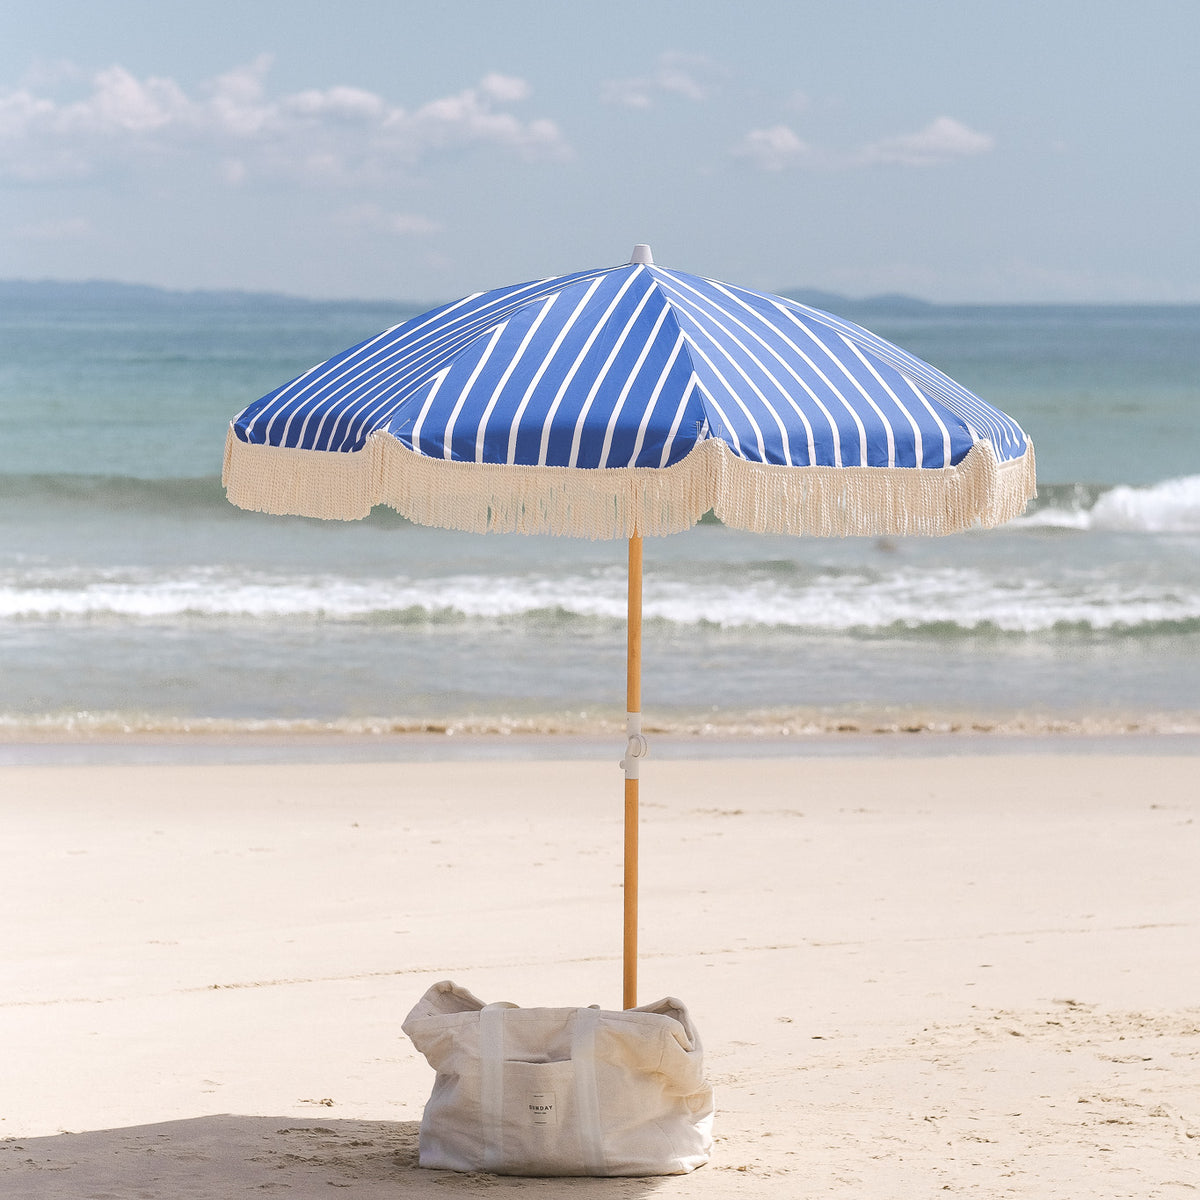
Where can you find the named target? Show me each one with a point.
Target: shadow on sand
(214, 1158)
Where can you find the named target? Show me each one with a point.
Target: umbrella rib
(402, 364)
(862, 430)
(630, 379)
(834, 431)
(514, 359)
(308, 416)
(438, 380)
(888, 432)
(407, 364)
(964, 404)
(544, 444)
(465, 390)
(727, 426)
(693, 383)
(783, 391)
(602, 374)
(356, 364)
(361, 361)
(936, 417)
(753, 422)
(811, 363)
(287, 411)
(652, 399)
(919, 445)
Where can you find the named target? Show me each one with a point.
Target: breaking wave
(1171, 506)
(906, 600)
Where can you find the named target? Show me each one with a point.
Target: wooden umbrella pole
(635, 750)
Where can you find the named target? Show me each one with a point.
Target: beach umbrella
(627, 402)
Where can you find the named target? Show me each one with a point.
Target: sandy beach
(974, 974)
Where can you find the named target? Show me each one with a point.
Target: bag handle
(491, 1082)
(587, 1095)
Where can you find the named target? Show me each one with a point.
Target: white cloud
(778, 147)
(940, 141)
(408, 224)
(20, 110)
(772, 149)
(237, 103)
(120, 103)
(340, 134)
(691, 76)
(470, 117)
(505, 88)
(64, 229)
(339, 104)
(374, 218)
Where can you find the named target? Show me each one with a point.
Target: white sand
(913, 976)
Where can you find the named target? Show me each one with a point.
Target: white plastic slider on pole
(636, 748)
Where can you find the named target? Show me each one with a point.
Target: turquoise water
(133, 595)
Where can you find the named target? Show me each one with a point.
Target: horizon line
(817, 296)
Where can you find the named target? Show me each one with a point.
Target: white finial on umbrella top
(641, 254)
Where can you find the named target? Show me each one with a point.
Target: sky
(1041, 151)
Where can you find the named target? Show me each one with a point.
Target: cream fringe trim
(616, 503)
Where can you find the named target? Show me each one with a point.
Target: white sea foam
(340, 736)
(905, 597)
(1171, 506)
(155, 594)
(964, 599)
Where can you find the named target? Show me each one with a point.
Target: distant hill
(102, 290)
(890, 302)
(109, 293)
(106, 291)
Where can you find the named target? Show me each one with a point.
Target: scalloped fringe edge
(619, 502)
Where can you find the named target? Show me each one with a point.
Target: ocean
(135, 599)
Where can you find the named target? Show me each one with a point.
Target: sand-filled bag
(561, 1091)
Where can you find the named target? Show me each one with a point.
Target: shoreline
(198, 748)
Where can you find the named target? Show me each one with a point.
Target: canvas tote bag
(561, 1091)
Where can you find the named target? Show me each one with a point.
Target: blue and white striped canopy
(631, 399)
